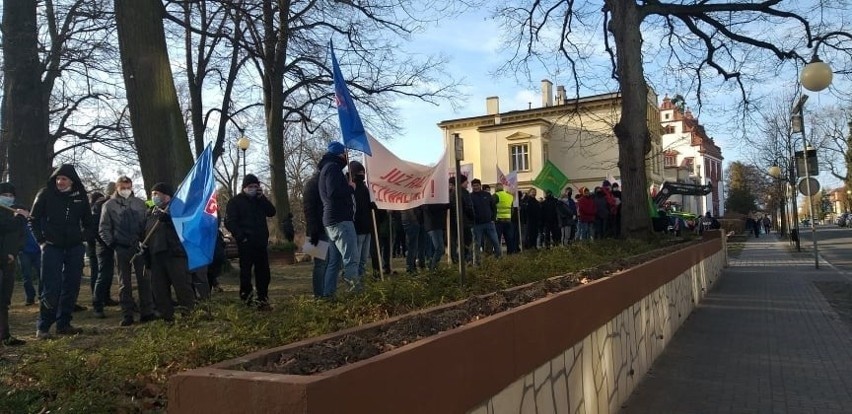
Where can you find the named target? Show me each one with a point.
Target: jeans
(318, 272)
(425, 251)
(61, 273)
(567, 233)
(584, 229)
(343, 236)
(333, 263)
(437, 240)
(506, 231)
(30, 270)
(106, 258)
(485, 230)
(94, 264)
(363, 253)
(412, 244)
(601, 228)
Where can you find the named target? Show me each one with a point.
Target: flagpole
(375, 226)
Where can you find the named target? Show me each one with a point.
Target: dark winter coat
(467, 209)
(97, 209)
(363, 208)
(336, 193)
(602, 206)
(245, 218)
(312, 207)
(531, 211)
(484, 207)
(163, 238)
(549, 212)
(62, 219)
(567, 211)
(12, 234)
(435, 216)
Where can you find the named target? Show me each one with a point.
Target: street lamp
(243, 144)
(817, 75)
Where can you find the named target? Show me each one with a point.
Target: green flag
(652, 207)
(550, 178)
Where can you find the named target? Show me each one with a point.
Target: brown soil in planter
(333, 353)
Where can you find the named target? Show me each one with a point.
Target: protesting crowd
(139, 241)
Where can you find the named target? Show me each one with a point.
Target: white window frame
(515, 160)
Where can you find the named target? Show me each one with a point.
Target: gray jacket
(122, 221)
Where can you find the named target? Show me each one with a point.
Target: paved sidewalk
(763, 341)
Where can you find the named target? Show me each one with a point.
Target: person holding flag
(165, 256)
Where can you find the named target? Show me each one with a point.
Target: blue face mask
(6, 201)
(157, 200)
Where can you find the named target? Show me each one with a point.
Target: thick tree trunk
(276, 49)
(158, 129)
(25, 117)
(632, 129)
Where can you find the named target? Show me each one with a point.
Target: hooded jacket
(245, 218)
(550, 212)
(363, 207)
(13, 233)
(338, 204)
(62, 219)
(122, 221)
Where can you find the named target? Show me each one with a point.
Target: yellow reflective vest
(504, 205)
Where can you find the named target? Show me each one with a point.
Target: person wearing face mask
(12, 221)
(245, 218)
(122, 221)
(165, 257)
(61, 219)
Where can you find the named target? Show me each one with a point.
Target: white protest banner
(396, 184)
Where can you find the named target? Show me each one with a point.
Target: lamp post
(848, 201)
(243, 144)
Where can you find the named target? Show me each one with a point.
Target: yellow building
(575, 135)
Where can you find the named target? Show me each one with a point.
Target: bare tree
(158, 128)
(701, 36)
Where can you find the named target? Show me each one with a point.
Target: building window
(519, 157)
(670, 161)
(668, 116)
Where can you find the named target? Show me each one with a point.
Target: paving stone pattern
(598, 374)
(764, 340)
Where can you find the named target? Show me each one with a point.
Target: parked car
(842, 220)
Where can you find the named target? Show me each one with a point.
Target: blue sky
(472, 42)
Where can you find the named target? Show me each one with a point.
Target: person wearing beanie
(363, 214)
(120, 226)
(165, 257)
(338, 216)
(245, 218)
(12, 222)
(61, 220)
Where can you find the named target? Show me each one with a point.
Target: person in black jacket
(165, 257)
(363, 214)
(467, 215)
(61, 219)
(325, 272)
(435, 224)
(531, 215)
(245, 218)
(338, 214)
(12, 238)
(484, 215)
(550, 220)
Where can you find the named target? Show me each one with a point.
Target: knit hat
(606, 183)
(7, 188)
(250, 179)
(163, 188)
(336, 148)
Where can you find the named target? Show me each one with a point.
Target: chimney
(560, 95)
(546, 93)
(492, 105)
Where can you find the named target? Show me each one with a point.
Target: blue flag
(351, 127)
(195, 213)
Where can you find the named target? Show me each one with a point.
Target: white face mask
(125, 193)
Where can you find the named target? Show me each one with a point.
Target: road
(835, 245)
